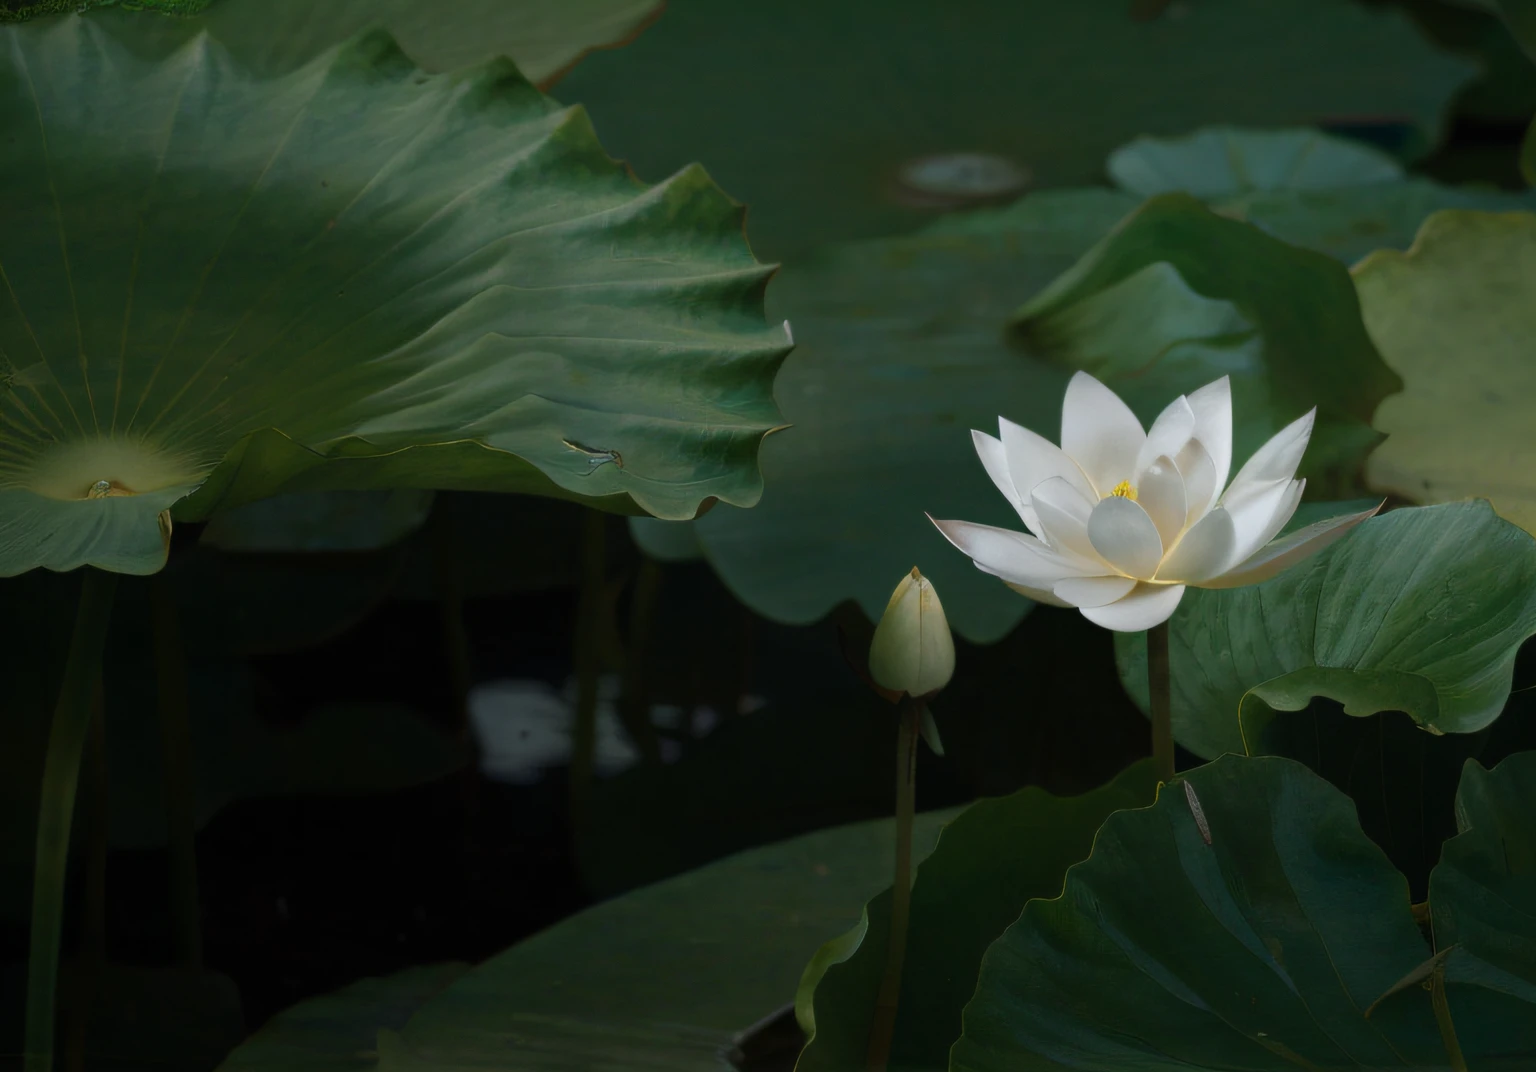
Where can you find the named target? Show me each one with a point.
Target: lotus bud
(912, 651)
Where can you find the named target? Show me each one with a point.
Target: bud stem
(883, 1025)
(1160, 686)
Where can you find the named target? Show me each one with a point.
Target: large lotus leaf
(840, 99)
(1223, 162)
(995, 856)
(901, 353)
(664, 977)
(21, 10)
(1483, 901)
(1241, 922)
(1305, 187)
(1456, 317)
(1177, 295)
(543, 37)
(353, 276)
(1419, 610)
(1351, 222)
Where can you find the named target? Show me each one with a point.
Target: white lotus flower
(1122, 520)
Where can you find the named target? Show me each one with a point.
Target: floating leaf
(1177, 295)
(354, 276)
(1352, 222)
(995, 856)
(1456, 317)
(1419, 610)
(1331, 194)
(1224, 162)
(841, 100)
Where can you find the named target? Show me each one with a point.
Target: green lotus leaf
(1419, 610)
(995, 856)
(1177, 295)
(1243, 921)
(1304, 187)
(22, 10)
(1223, 162)
(1483, 903)
(543, 37)
(848, 107)
(355, 276)
(1456, 317)
(1352, 222)
(587, 992)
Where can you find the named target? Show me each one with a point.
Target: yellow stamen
(1123, 490)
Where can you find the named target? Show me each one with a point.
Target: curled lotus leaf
(355, 275)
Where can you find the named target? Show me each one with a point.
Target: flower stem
(180, 779)
(1160, 686)
(883, 1025)
(61, 776)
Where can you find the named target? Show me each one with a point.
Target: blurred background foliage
(425, 725)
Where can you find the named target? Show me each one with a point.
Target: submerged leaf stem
(61, 777)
